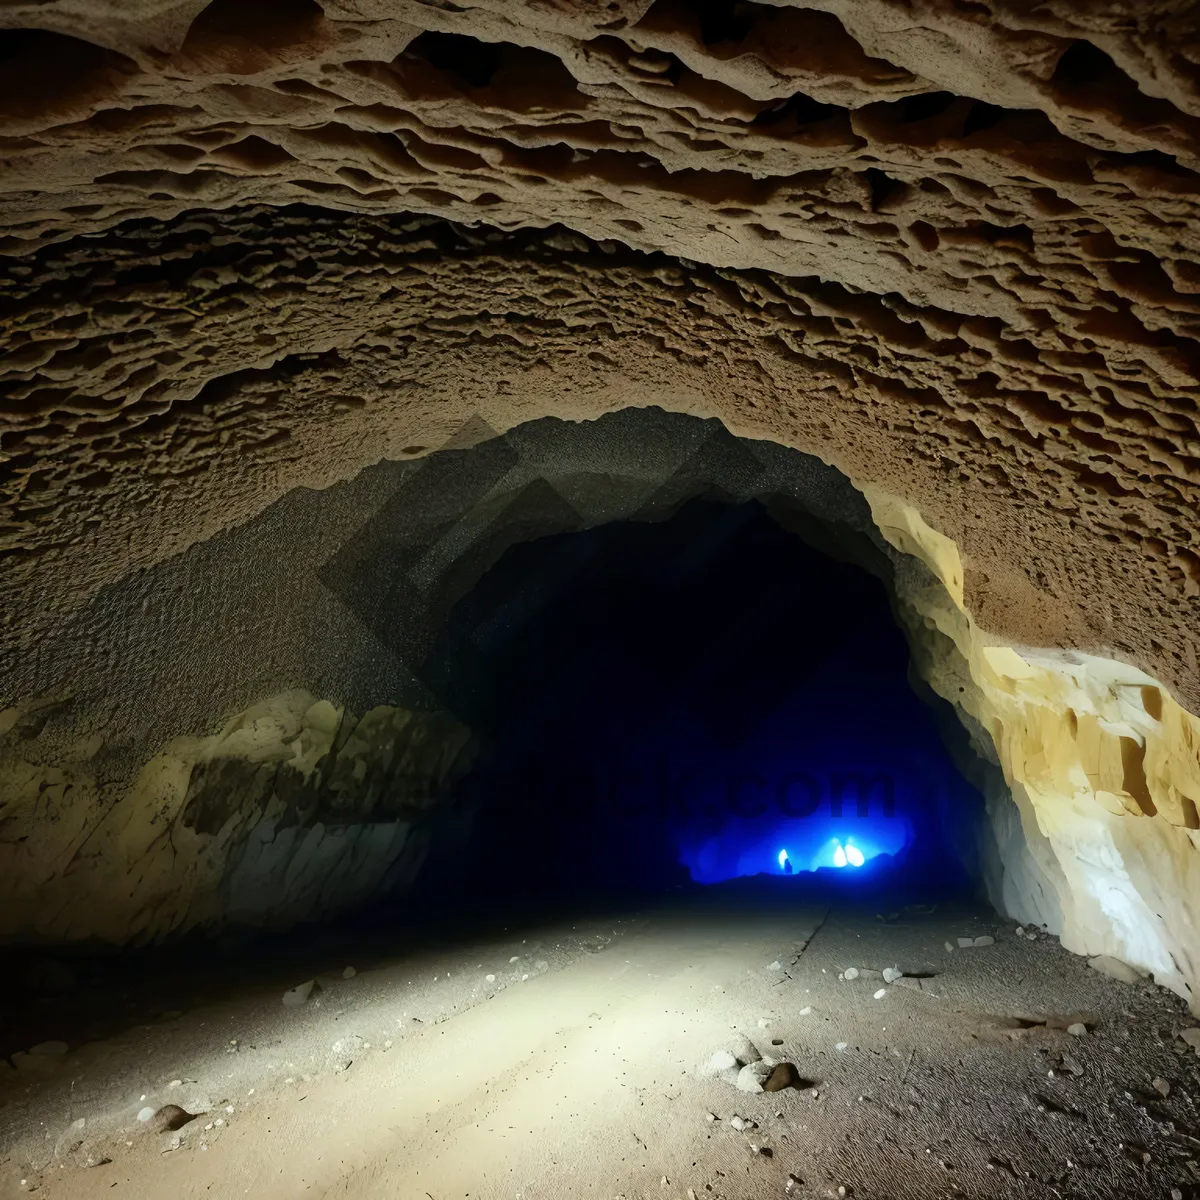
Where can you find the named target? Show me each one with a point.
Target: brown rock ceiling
(950, 247)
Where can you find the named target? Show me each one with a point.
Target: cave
(600, 600)
(658, 709)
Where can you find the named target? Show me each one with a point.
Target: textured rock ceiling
(950, 247)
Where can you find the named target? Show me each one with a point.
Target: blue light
(783, 857)
(839, 855)
(854, 856)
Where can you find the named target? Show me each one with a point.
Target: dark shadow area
(688, 702)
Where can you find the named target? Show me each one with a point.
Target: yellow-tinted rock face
(295, 809)
(1103, 765)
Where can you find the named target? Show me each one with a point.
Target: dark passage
(691, 701)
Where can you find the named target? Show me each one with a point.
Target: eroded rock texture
(964, 239)
(947, 246)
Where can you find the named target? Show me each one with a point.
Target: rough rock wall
(161, 383)
(979, 220)
(1095, 832)
(294, 810)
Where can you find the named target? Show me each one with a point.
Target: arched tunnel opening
(691, 701)
(629, 748)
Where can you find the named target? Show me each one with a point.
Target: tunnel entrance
(686, 702)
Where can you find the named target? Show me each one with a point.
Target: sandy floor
(582, 1069)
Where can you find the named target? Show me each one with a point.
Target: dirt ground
(577, 1060)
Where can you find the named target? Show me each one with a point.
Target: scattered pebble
(1161, 1086)
(891, 974)
(1192, 1037)
(294, 997)
(879, 995)
(145, 1114)
(851, 973)
(741, 1123)
(752, 1077)
(745, 1051)
(784, 1075)
(349, 973)
(949, 947)
(1114, 968)
(965, 943)
(841, 1045)
(1078, 1029)
(490, 978)
(986, 940)
(775, 966)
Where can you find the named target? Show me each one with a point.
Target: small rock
(169, 1118)
(891, 974)
(784, 1075)
(949, 947)
(740, 1123)
(841, 1045)
(1114, 968)
(752, 1077)
(49, 1049)
(1020, 931)
(515, 958)
(879, 995)
(345, 1050)
(1071, 1064)
(71, 1138)
(793, 1182)
(1192, 1037)
(806, 1011)
(745, 1051)
(1161, 1086)
(965, 943)
(721, 1060)
(851, 973)
(986, 940)
(295, 997)
(775, 966)
(145, 1115)
(349, 973)
(1078, 1029)
(710, 1116)
(490, 978)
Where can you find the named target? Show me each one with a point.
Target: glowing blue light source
(848, 855)
(783, 857)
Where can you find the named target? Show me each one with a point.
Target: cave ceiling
(950, 248)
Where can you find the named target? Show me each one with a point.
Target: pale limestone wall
(1097, 835)
(292, 810)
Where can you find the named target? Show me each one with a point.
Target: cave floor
(583, 1069)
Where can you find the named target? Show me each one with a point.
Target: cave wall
(947, 248)
(294, 810)
(1094, 832)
